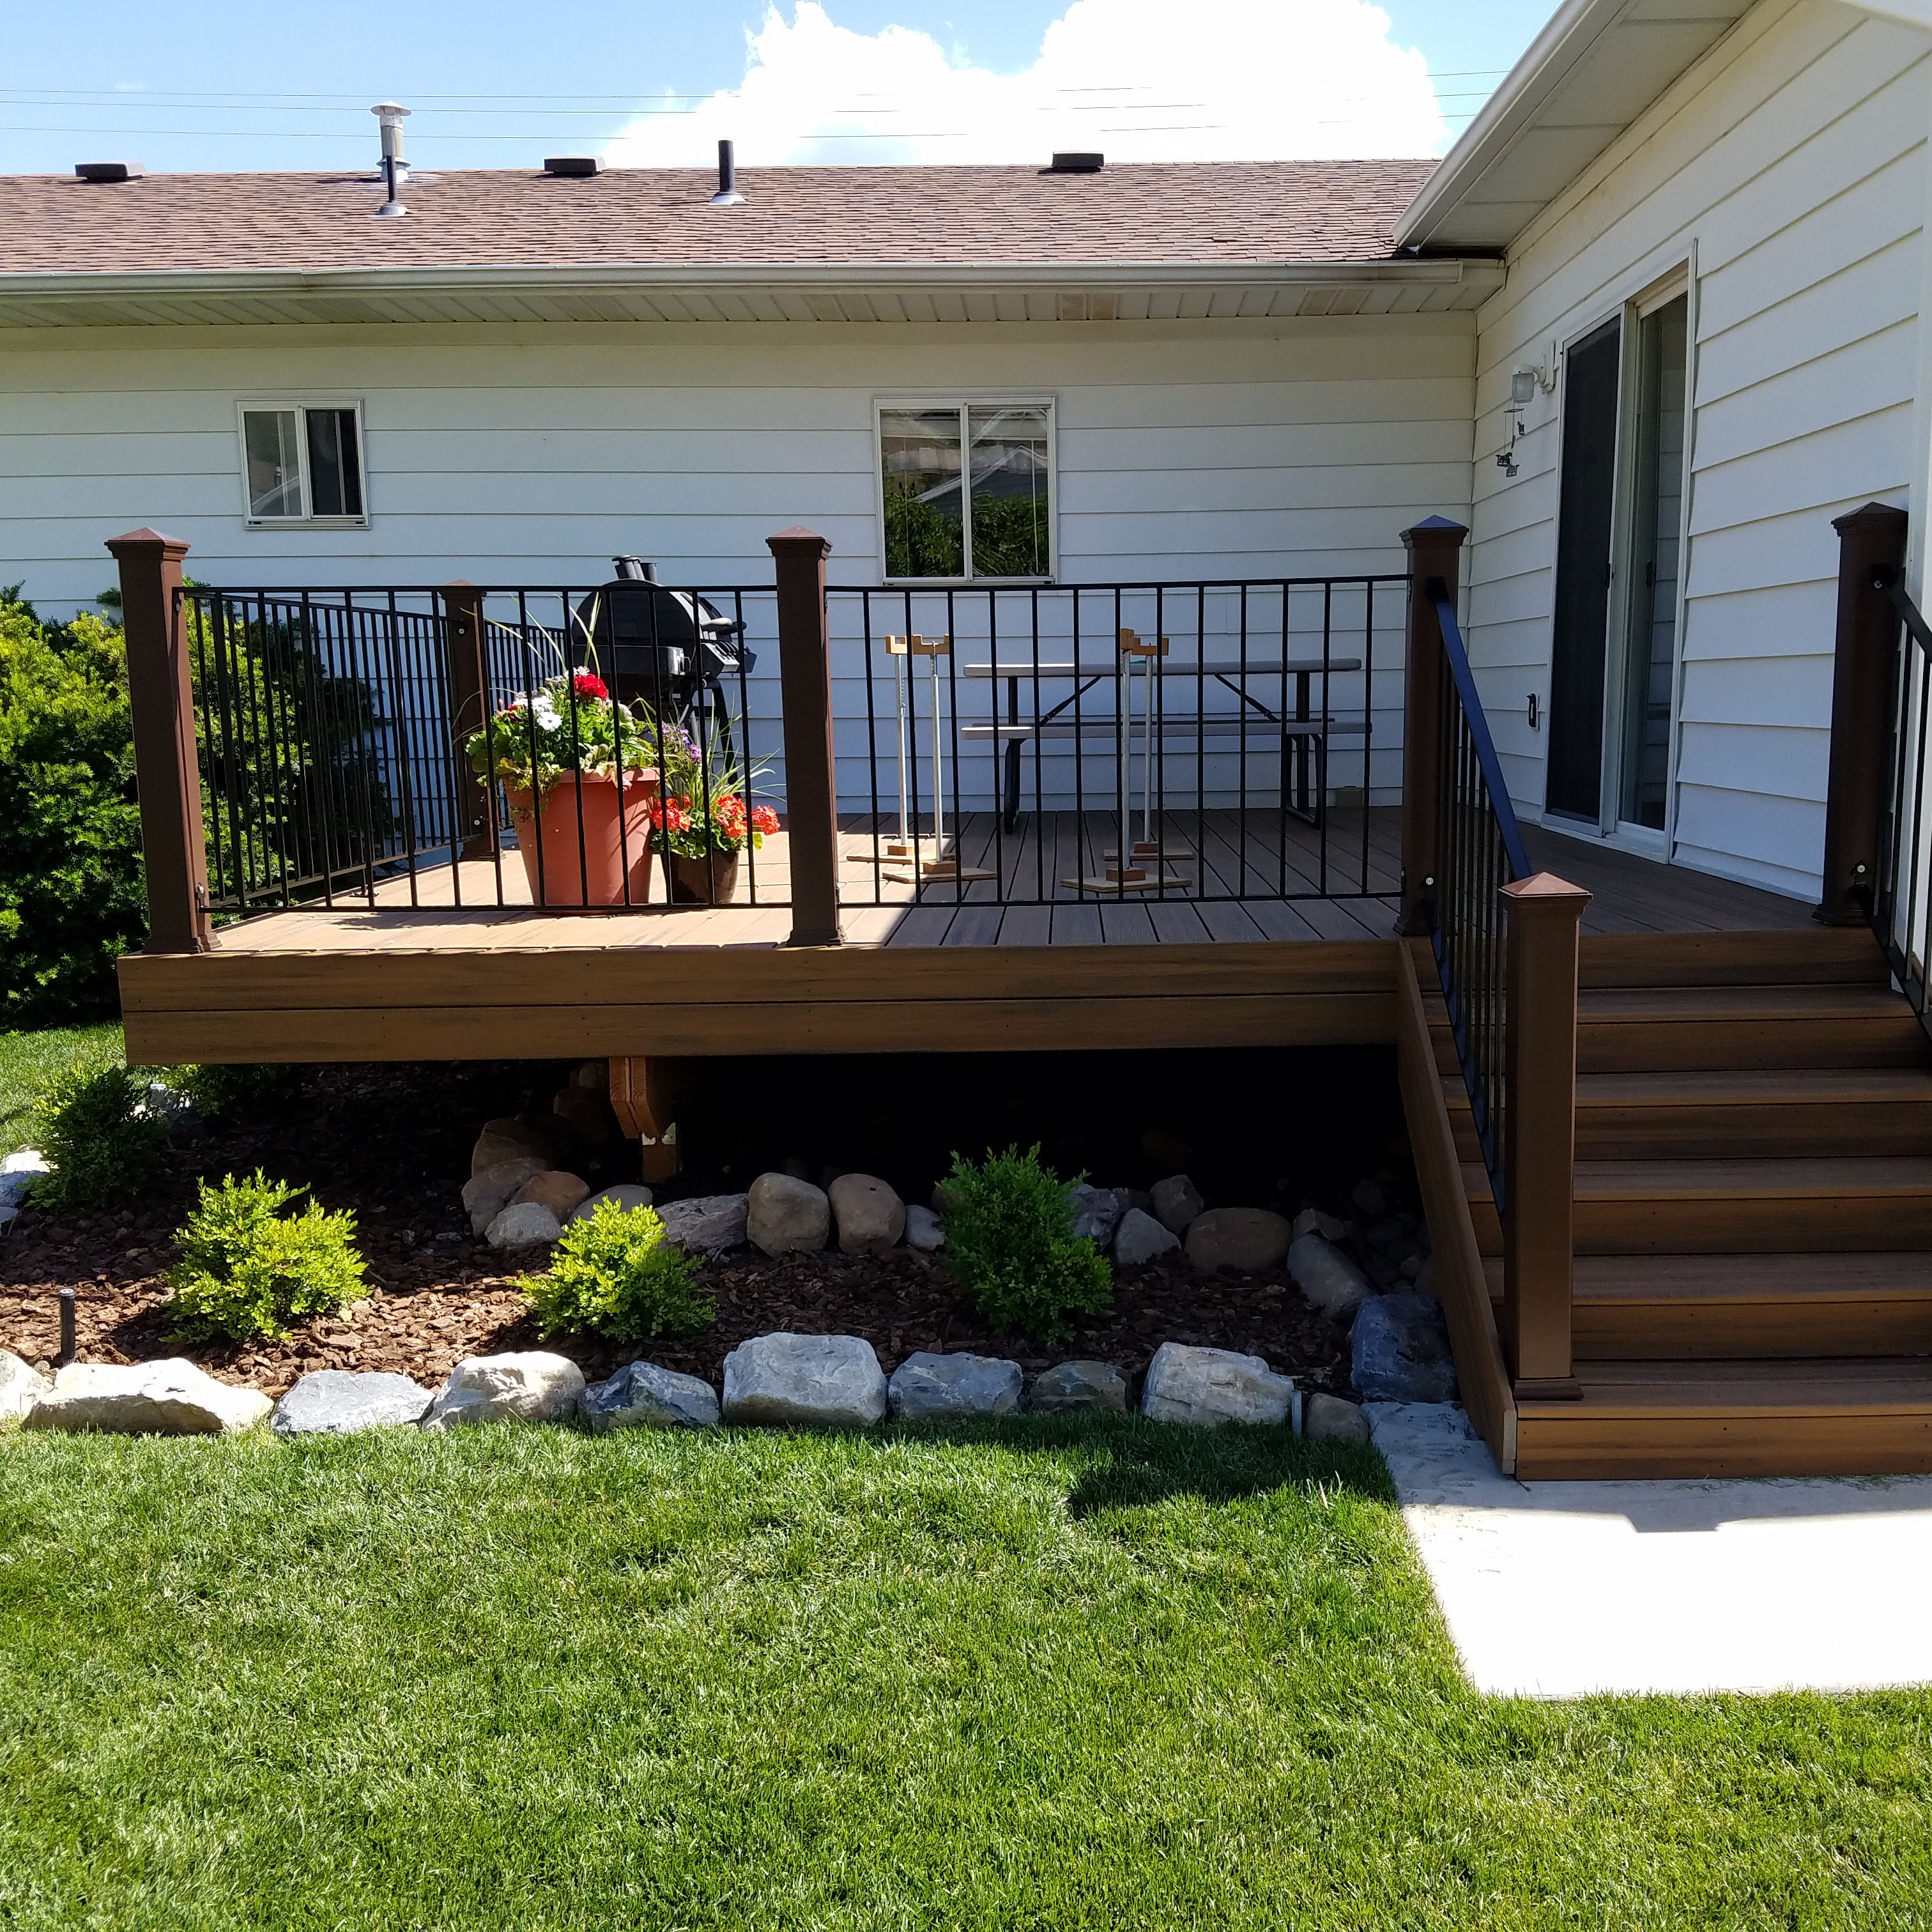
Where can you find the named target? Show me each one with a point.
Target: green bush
(101, 1148)
(614, 1274)
(219, 1092)
(247, 1269)
(1010, 1245)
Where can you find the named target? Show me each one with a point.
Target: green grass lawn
(26, 1059)
(1049, 1672)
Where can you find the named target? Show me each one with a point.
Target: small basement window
(966, 490)
(302, 462)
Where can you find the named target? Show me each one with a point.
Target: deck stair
(1753, 1212)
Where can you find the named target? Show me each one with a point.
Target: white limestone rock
(1140, 1239)
(1312, 1221)
(922, 1231)
(1072, 1385)
(166, 1398)
(1177, 1202)
(869, 1214)
(337, 1401)
(707, 1224)
(1331, 1283)
(523, 1224)
(21, 1386)
(641, 1395)
(925, 1385)
(786, 1216)
(1209, 1387)
(18, 1173)
(530, 1387)
(834, 1380)
(627, 1194)
(1327, 1418)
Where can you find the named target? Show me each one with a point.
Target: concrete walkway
(1562, 1589)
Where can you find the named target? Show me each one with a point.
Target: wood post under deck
(468, 711)
(1434, 547)
(161, 699)
(1871, 550)
(1543, 914)
(811, 785)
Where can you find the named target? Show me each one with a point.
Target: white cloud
(1141, 80)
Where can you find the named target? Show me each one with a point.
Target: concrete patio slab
(1567, 1589)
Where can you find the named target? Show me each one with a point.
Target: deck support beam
(1871, 552)
(1543, 914)
(1434, 546)
(645, 1093)
(811, 780)
(161, 699)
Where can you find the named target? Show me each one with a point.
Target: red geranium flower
(671, 815)
(764, 819)
(585, 685)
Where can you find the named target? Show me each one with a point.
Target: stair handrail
(1901, 894)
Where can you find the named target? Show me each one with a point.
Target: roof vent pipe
(390, 117)
(727, 195)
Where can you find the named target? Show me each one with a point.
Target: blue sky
(213, 84)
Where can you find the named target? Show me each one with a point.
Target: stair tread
(1637, 1279)
(1823, 1177)
(1804, 1386)
(1647, 1004)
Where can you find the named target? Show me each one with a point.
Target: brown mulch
(392, 1143)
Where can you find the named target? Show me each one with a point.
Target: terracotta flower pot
(710, 879)
(614, 851)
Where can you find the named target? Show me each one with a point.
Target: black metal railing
(1902, 901)
(1480, 850)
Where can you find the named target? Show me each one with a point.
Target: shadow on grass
(1131, 1463)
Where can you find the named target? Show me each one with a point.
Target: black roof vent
(573, 166)
(1077, 164)
(109, 171)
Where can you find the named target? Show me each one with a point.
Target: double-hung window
(301, 463)
(966, 490)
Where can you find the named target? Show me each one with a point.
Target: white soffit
(1591, 72)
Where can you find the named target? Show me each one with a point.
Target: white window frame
(962, 400)
(246, 406)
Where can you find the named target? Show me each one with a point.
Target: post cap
(1880, 513)
(1435, 530)
(147, 539)
(1544, 888)
(798, 538)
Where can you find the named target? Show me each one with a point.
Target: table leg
(1010, 813)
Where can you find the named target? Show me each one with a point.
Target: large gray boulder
(532, 1386)
(869, 1215)
(924, 1385)
(1327, 1418)
(628, 1195)
(1399, 1350)
(485, 1195)
(641, 1395)
(1330, 1281)
(1209, 1387)
(1140, 1238)
(786, 1216)
(1097, 1212)
(335, 1402)
(166, 1398)
(832, 1380)
(1248, 1239)
(523, 1224)
(18, 1172)
(707, 1224)
(21, 1386)
(1177, 1201)
(1071, 1385)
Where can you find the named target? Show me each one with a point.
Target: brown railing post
(1542, 913)
(167, 770)
(812, 786)
(469, 707)
(1871, 544)
(1434, 546)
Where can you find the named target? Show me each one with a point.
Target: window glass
(274, 468)
(334, 475)
(918, 456)
(1007, 473)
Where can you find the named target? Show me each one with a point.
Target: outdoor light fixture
(1524, 384)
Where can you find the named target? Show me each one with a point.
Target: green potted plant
(704, 823)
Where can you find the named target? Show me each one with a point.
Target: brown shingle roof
(1226, 214)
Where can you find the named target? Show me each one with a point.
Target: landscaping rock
(485, 1195)
(1177, 1202)
(922, 1230)
(523, 1224)
(1081, 1385)
(21, 1386)
(707, 1224)
(334, 1402)
(1312, 1221)
(834, 1380)
(586, 1112)
(1140, 1238)
(924, 1385)
(167, 1398)
(1326, 1277)
(786, 1216)
(641, 1395)
(532, 1386)
(18, 1173)
(869, 1215)
(507, 1140)
(561, 1193)
(1209, 1387)
(1327, 1418)
(175, 1112)
(1398, 1350)
(627, 1194)
(1371, 1197)
(1097, 1212)
(1247, 1239)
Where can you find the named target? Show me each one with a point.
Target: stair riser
(1815, 1225)
(1734, 1133)
(1585, 1446)
(1730, 1045)
(1706, 1331)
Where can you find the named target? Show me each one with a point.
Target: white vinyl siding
(1789, 168)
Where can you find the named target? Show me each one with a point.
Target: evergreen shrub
(614, 1274)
